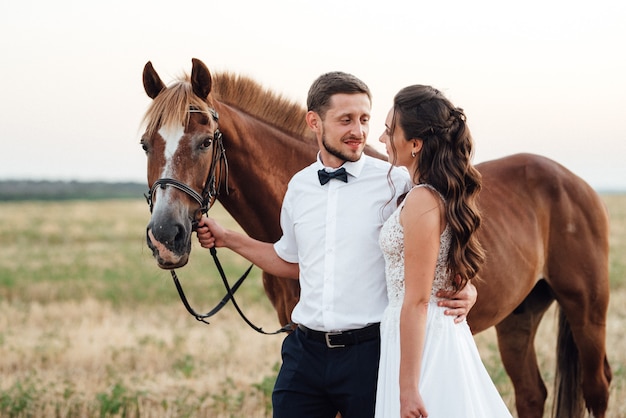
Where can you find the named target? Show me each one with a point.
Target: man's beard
(338, 153)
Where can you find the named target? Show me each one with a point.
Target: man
(331, 218)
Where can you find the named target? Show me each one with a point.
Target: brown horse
(545, 230)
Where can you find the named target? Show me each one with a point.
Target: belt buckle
(329, 344)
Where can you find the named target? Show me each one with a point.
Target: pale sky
(540, 76)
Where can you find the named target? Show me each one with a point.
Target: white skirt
(453, 382)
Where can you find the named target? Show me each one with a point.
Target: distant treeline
(12, 190)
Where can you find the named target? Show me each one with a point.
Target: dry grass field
(89, 326)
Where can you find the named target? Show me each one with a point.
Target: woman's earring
(413, 154)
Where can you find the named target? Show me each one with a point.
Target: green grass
(617, 261)
(69, 251)
(76, 251)
(73, 251)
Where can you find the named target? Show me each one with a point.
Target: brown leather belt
(342, 338)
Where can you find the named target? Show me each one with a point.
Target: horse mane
(247, 95)
(171, 106)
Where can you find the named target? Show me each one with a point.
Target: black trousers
(317, 382)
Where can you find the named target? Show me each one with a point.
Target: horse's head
(185, 160)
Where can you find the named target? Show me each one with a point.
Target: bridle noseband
(205, 199)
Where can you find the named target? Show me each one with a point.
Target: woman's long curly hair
(445, 163)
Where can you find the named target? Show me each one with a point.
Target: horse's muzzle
(169, 254)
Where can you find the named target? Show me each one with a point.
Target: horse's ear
(200, 79)
(152, 83)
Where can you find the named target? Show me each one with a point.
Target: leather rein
(205, 200)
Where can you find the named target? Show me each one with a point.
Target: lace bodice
(392, 244)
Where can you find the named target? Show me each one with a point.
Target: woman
(429, 365)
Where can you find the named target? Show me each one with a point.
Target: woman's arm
(421, 219)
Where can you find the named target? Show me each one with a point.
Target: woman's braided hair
(445, 163)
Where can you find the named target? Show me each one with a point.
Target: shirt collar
(353, 168)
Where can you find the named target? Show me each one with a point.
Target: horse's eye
(207, 142)
(144, 146)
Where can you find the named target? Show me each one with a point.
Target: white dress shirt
(332, 232)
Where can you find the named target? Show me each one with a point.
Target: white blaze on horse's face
(171, 137)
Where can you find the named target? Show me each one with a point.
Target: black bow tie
(339, 174)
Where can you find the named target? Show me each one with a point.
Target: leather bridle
(205, 199)
(213, 182)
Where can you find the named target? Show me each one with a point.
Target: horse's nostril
(180, 234)
(169, 235)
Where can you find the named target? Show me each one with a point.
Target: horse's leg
(578, 272)
(582, 345)
(516, 335)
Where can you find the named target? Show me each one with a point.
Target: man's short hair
(329, 84)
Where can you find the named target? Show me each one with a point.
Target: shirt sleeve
(286, 247)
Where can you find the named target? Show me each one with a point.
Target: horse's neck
(261, 160)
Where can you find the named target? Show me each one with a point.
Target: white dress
(453, 381)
